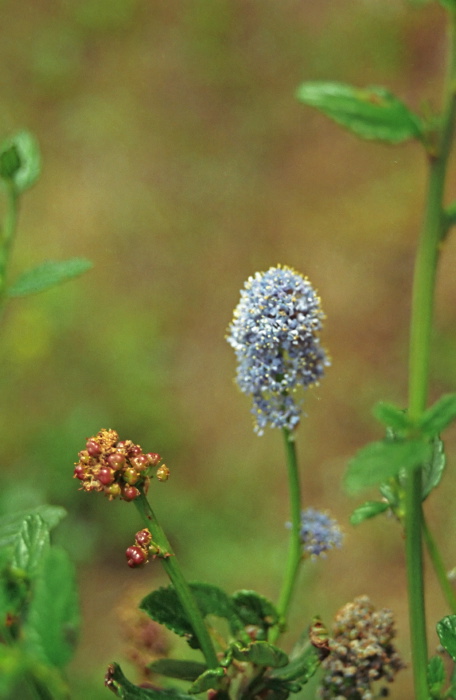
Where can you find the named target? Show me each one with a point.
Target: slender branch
(420, 342)
(178, 580)
(439, 567)
(295, 550)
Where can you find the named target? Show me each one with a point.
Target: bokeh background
(176, 157)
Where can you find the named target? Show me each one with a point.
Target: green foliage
(446, 629)
(47, 275)
(178, 668)
(255, 609)
(372, 112)
(53, 615)
(164, 606)
(382, 460)
(38, 602)
(260, 654)
(435, 676)
(439, 416)
(368, 510)
(392, 417)
(433, 468)
(121, 686)
(20, 160)
(301, 666)
(210, 679)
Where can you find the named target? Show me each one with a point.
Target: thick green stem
(178, 580)
(420, 342)
(439, 568)
(295, 550)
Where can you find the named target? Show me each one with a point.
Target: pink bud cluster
(143, 548)
(118, 468)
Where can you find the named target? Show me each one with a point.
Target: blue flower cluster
(319, 533)
(275, 335)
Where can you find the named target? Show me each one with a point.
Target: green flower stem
(439, 568)
(8, 233)
(432, 232)
(295, 550)
(176, 577)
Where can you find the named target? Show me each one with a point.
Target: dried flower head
(275, 335)
(319, 533)
(361, 652)
(118, 468)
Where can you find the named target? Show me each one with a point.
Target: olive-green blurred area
(176, 157)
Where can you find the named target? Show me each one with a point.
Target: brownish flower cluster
(361, 652)
(118, 468)
(143, 549)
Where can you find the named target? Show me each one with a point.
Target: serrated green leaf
(164, 606)
(26, 147)
(53, 618)
(435, 675)
(301, 667)
(439, 416)
(177, 668)
(372, 112)
(121, 686)
(212, 679)
(255, 609)
(433, 469)
(391, 416)
(368, 510)
(382, 460)
(446, 629)
(10, 525)
(261, 654)
(47, 275)
(31, 544)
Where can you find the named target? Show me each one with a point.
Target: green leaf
(448, 4)
(11, 525)
(121, 686)
(433, 469)
(368, 510)
(261, 654)
(22, 149)
(255, 609)
(31, 543)
(53, 617)
(381, 460)
(210, 679)
(177, 668)
(446, 629)
(435, 675)
(12, 666)
(391, 416)
(301, 667)
(48, 275)
(372, 112)
(438, 416)
(164, 606)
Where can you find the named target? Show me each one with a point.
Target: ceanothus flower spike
(275, 335)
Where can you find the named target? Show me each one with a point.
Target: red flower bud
(140, 462)
(153, 458)
(93, 448)
(79, 472)
(143, 537)
(105, 476)
(135, 556)
(129, 493)
(116, 460)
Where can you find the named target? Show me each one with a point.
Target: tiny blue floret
(319, 533)
(275, 335)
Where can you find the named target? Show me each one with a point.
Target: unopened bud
(163, 473)
(135, 556)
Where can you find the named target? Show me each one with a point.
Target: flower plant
(276, 336)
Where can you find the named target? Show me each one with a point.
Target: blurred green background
(176, 157)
